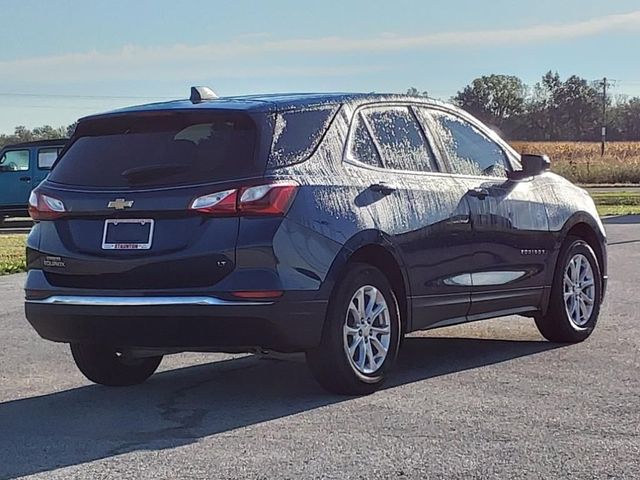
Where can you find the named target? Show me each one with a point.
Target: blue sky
(63, 59)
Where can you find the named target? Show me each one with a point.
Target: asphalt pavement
(484, 400)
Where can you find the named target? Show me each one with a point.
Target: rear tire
(105, 365)
(576, 293)
(361, 334)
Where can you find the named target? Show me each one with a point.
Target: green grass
(607, 210)
(12, 250)
(616, 198)
(617, 203)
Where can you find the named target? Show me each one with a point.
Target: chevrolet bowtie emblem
(120, 204)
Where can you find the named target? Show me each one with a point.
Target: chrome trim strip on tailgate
(139, 301)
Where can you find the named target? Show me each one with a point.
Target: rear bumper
(185, 322)
(284, 326)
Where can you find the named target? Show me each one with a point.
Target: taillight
(271, 199)
(45, 207)
(219, 203)
(268, 199)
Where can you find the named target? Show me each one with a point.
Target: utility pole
(604, 115)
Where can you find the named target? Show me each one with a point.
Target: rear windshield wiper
(152, 172)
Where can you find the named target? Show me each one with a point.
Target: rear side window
(362, 148)
(46, 157)
(159, 150)
(297, 133)
(401, 141)
(469, 150)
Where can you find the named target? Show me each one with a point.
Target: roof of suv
(39, 143)
(264, 102)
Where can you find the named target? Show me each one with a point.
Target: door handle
(383, 187)
(25, 179)
(479, 192)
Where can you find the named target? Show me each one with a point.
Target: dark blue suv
(331, 224)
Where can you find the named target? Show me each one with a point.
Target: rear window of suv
(159, 149)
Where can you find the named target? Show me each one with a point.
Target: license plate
(127, 234)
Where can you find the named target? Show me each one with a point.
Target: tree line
(551, 109)
(573, 109)
(46, 132)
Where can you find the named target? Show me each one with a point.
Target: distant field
(581, 162)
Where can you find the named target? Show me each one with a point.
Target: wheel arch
(374, 248)
(584, 226)
(587, 233)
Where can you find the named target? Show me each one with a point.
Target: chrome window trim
(346, 151)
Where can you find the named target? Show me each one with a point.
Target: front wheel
(576, 294)
(361, 335)
(108, 366)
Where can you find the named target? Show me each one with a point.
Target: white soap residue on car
(279, 127)
(347, 205)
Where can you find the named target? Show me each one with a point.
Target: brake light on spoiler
(268, 199)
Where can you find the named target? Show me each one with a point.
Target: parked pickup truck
(22, 167)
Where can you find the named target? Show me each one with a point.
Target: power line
(54, 107)
(85, 97)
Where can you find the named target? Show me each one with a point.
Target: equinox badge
(120, 204)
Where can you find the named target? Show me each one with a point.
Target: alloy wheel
(367, 330)
(579, 290)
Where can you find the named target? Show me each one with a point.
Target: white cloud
(245, 56)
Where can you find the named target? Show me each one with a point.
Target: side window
(297, 134)
(401, 141)
(46, 157)
(362, 147)
(15, 161)
(470, 151)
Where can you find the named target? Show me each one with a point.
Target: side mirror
(531, 165)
